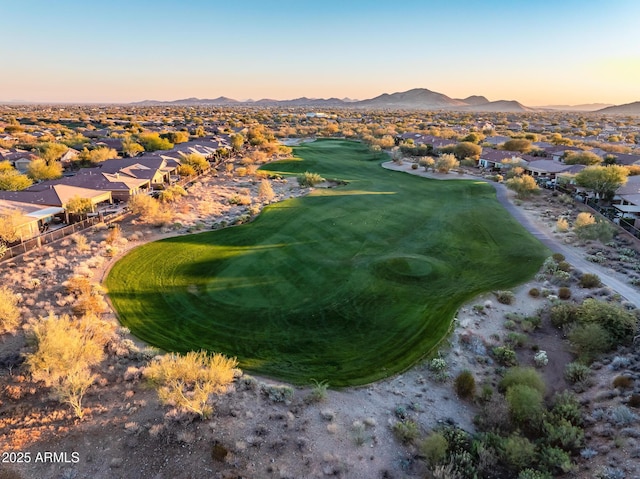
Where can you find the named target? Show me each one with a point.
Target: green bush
(521, 376)
(465, 384)
(566, 406)
(533, 474)
(555, 460)
(434, 449)
(620, 323)
(505, 297)
(558, 257)
(505, 356)
(589, 280)
(600, 230)
(518, 452)
(406, 431)
(561, 433)
(525, 404)
(517, 340)
(589, 340)
(576, 372)
(563, 314)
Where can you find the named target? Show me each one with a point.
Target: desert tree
(237, 141)
(466, 149)
(130, 147)
(51, 152)
(97, 155)
(187, 382)
(582, 158)
(40, 170)
(602, 180)
(520, 145)
(198, 162)
(13, 180)
(79, 206)
(66, 349)
(9, 311)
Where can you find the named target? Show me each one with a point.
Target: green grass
(348, 285)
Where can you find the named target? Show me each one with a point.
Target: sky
(541, 52)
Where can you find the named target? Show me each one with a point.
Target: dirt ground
(127, 433)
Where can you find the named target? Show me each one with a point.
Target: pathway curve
(572, 254)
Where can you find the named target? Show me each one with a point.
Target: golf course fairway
(348, 284)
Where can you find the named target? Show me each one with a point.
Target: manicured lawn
(349, 284)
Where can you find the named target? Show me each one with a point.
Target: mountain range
(416, 99)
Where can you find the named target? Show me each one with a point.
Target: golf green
(348, 284)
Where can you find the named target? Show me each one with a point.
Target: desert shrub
(318, 393)
(561, 278)
(555, 460)
(172, 193)
(600, 230)
(589, 280)
(525, 403)
(505, 355)
(540, 359)
(619, 323)
(406, 431)
(564, 266)
(622, 416)
(265, 191)
(563, 314)
(562, 225)
(516, 340)
(414, 166)
(242, 200)
(309, 179)
(566, 406)
(277, 392)
(9, 311)
(523, 376)
(576, 372)
(439, 368)
(534, 292)
(584, 219)
(518, 452)
(82, 244)
(589, 340)
(634, 401)
(557, 257)
(564, 293)
(623, 382)
(533, 474)
(434, 448)
(505, 297)
(561, 433)
(188, 381)
(465, 384)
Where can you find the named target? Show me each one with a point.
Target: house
(550, 169)
(121, 187)
(490, 158)
(69, 156)
(627, 199)
(29, 219)
(20, 159)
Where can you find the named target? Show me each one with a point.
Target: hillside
(626, 109)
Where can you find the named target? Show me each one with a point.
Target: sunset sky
(537, 52)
